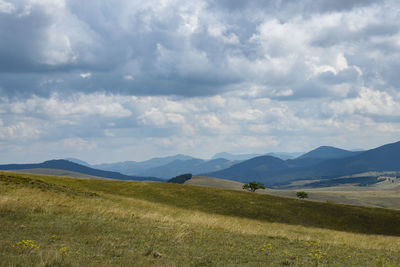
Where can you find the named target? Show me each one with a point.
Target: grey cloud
(21, 40)
(386, 118)
(106, 39)
(196, 77)
(336, 35)
(337, 5)
(349, 75)
(282, 7)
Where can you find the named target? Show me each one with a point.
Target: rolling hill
(349, 190)
(74, 167)
(59, 221)
(323, 163)
(215, 183)
(328, 152)
(57, 172)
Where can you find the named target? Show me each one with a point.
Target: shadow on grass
(261, 207)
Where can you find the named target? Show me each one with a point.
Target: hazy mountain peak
(173, 157)
(226, 155)
(78, 161)
(285, 155)
(327, 152)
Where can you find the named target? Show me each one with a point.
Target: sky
(108, 81)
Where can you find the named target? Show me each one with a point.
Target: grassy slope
(56, 172)
(97, 222)
(384, 194)
(215, 182)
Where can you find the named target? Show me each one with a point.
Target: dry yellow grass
(111, 229)
(113, 206)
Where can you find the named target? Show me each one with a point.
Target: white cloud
(157, 117)
(256, 141)
(6, 7)
(78, 144)
(162, 77)
(86, 75)
(220, 31)
(196, 126)
(18, 131)
(79, 105)
(369, 102)
(129, 77)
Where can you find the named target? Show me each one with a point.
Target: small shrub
(302, 195)
(180, 179)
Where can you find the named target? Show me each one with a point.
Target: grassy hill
(215, 183)
(56, 172)
(53, 221)
(384, 194)
(65, 165)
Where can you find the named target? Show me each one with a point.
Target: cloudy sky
(108, 81)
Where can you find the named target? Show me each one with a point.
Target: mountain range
(137, 168)
(241, 157)
(324, 162)
(172, 166)
(164, 168)
(66, 165)
(321, 163)
(194, 166)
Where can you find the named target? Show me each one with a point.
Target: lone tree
(253, 186)
(302, 195)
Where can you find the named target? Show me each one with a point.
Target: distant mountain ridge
(285, 155)
(62, 164)
(281, 155)
(226, 155)
(136, 168)
(328, 152)
(321, 163)
(171, 166)
(193, 166)
(166, 167)
(78, 161)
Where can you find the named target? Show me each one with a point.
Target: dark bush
(180, 179)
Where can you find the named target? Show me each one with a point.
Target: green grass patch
(248, 205)
(51, 221)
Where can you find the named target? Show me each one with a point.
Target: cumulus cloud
(197, 77)
(20, 130)
(199, 50)
(6, 7)
(369, 102)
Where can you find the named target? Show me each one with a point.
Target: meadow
(59, 221)
(384, 194)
